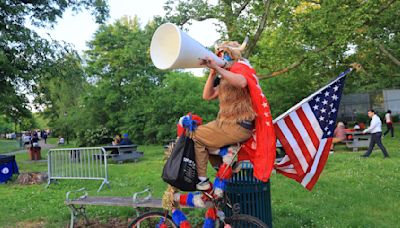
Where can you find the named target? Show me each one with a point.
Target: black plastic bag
(180, 169)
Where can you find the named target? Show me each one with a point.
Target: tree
(179, 94)
(123, 76)
(24, 56)
(59, 91)
(307, 43)
(301, 31)
(236, 19)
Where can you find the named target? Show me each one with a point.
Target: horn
(171, 48)
(244, 44)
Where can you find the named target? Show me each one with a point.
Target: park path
(41, 143)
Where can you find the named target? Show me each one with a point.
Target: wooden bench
(77, 205)
(357, 139)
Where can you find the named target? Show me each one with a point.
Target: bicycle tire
(151, 219)
(244, 221)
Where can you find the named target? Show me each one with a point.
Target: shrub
(94, 137)
(362, 118)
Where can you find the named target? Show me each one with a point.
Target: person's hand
(365, 132)
(209, 62)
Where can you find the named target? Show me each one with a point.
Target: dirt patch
(32, 178)
(29, 224)
(111, 223)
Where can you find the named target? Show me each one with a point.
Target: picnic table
(121, 153)
(357, 139)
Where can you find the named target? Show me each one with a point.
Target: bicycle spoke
(152, 220)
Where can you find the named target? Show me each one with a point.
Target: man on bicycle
(243, 106)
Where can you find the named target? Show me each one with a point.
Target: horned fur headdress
(232, 48)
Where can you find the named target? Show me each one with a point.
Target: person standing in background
(44, 136)
(375, 128)
(389, 123)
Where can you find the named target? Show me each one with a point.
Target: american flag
(305, 132)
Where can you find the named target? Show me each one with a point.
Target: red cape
(259, 149)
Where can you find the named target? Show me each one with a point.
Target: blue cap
(125, 135)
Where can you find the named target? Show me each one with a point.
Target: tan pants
(212, 136)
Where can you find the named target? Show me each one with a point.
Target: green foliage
(123, 79)
(28, 123)
(5, 125)
(59, 91)
(360, 117)
(311, 40)
(42, 122)
(179, 94)
(94, 137)
(119, 89)
(234, 19)
(24, 56)
(283, 92)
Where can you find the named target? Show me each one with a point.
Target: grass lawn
(351, 192)
(8, 145)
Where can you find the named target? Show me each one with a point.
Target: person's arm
(209, 91)
(234, 79)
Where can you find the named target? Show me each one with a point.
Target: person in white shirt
(389, 123)
(61, 140)
(375, 128)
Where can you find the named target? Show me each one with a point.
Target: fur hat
(232, 48)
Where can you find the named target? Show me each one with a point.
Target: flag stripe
(288, 149)
(299, 139)
(284, 164)
(296, 155)
(308, 127)
(321, 164)
(290, 175)
(291, 139)
(305, 135)
(311, 172)
(289, 170)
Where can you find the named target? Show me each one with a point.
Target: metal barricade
(88, 163)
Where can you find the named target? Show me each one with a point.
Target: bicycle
(153, 219)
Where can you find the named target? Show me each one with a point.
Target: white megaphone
(171, 48)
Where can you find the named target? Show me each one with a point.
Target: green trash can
(249, 196)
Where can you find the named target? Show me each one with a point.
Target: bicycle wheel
(244, 221)
(151, 220)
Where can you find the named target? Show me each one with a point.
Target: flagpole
(341, 75)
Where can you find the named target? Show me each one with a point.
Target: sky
(78, 29)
